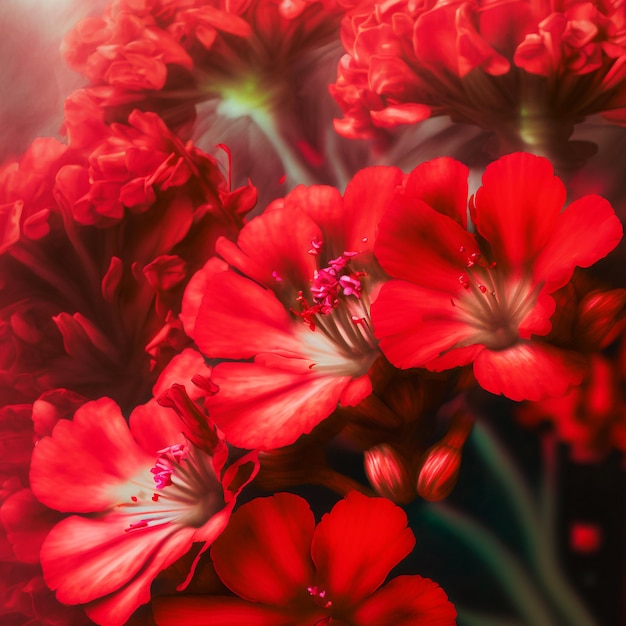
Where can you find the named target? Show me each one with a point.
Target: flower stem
(475, 618)
(541, 549)
(503, 563)
(295, 169)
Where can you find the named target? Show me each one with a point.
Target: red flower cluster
(167, 56)
(161, 352)
(115, 223)
(526, 70)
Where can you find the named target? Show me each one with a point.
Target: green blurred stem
(506, 568)
(295, 169)
(540, 548)
(475, 618)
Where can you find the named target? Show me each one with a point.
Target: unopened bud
(442, 462)
(388, 474)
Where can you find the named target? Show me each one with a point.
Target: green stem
(506, 568)
(295, 168)
(541, 550)
(475, 618)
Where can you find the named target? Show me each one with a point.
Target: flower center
(339, 316)
(493, 304)
(185, 490)
(319, 596)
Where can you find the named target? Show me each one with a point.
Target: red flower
(193, 50)
(137, 499)
(296, 301)
(25, 522)
(460, 298)
(528, 71)
(98, 241)
(288, 571)
(592, 417)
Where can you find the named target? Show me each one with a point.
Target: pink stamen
(164, 464)
(316, 244)
(140, 524)
(319, 596)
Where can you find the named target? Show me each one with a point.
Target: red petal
(455, 358)
(356, 545)
(95, 561)
(86, 464)
(276, 242)
(181, 370)
(356, 390)
(518, 207)
(324, 205)
(529, 371)
(264, 555)
(27, 522)
(86, 559)
(406, 601)
(265, 408)
(367, 197)
(415, 325)
(584, 233)
(442, 185)
(215, 611)
(195, 291)
(418, 244)
(238, 319)
(155, 427)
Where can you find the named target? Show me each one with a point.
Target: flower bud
(388, 474)
(440, 469)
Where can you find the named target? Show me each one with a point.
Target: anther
(316, 244)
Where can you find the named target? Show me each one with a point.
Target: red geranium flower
(287, 571)
(296, 301)
(460, 298)
(136, 499)
(528, 71)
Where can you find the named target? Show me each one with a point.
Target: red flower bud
(440, 469)
(388, 474)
